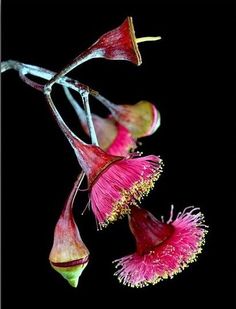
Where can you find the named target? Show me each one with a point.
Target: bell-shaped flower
(117, 44)
(162, 249)
(115, 182)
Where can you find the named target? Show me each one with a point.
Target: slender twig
(29, 82)
(108, 104)
(83, 115)
(92, 133)
(84, 56)
(72, 138)
(73, 193)
(79, 111)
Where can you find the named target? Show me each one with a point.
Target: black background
(188, 75)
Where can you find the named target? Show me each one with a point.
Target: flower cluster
(118, 178)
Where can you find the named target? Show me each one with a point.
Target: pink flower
(162, 249)
(69, 256)
(114, 182)
(121, 185)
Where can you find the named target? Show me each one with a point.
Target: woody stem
(25, 69)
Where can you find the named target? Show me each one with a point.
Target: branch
(25, 69)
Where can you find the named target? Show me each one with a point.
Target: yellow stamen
(139, 189)
(147, 38)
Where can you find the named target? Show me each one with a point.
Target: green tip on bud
(70, 273)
